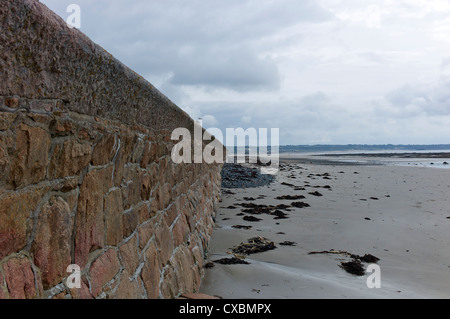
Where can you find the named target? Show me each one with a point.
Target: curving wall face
(86, 176)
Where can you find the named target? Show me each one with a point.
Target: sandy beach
(400, 215)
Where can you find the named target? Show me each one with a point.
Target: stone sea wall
(86, 176)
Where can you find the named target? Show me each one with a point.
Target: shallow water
(392, 158)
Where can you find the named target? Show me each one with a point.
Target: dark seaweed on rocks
(353, 267)
(254, 245)
(279, 214)
(368, 258)
(238, 176)
(242, 227)
(231, 261)
(300, 204)
(291, 197)
(251, 219)
(288, 243)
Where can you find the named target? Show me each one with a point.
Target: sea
(433, 156)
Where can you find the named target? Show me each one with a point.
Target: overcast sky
(322, 71)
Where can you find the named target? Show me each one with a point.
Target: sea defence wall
(86, 176)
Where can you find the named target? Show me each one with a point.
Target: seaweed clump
(254, 245)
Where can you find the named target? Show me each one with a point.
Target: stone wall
(86, 175)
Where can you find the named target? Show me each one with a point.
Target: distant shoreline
(427, 159)
(395, 155)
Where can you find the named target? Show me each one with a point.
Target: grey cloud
(404, 95)
(206, 43)
(233, 69)
(273, 54)
(310, 119)
(428, 100)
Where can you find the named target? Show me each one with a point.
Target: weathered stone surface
(67, 184)
(52, 245)
(89, 234)
(3, 289)
(130, 255)
(171, 214)
(147, 155)
(11, 102)
(69, 159)
(123, 156)
(20, 279)
(144, 213)
(6, 119)
(113, 217)
(103, 270)
(15, 210)
(169, 284)
(163, 196)
(130, 221)
(105, 150)
(31, 156)
(164, 241)
(83, 292)
(4, 164)
(146, 187)
(62, 127)
(198, 256)
(145, 232)
(66, 139)
(151, 272)
(166, 194)
(45, 105)
(61, 295)
(43, 119)
(128, 288)
(182, 263)
(180, 231)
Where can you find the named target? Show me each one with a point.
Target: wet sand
(401, 215)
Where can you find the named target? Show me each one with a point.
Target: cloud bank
(326, 71)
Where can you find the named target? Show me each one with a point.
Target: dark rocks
(291, 197)
(231, 261)
(288, 243)
(255, 209)
(279, 214)
(288, 184)
(238, 176)
(242, 227)
(282, 206)
(254, 245)
(300, 204)
(353, 267)
(251, 219)
(209, 265)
